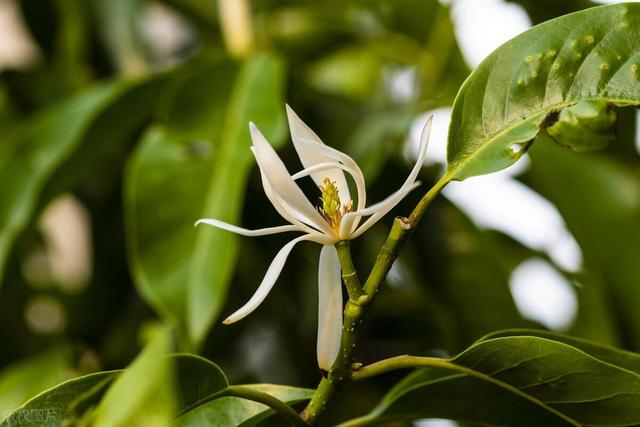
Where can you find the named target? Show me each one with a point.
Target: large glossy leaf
(127, 397)
(197, 168)
(516, 381)
(519, 88)
(615, 356)
(195, 378)
(234, 411)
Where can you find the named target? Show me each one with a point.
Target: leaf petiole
(254, 395)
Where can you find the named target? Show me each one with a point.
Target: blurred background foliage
(126, 120)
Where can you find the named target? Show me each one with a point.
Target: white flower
(333, 222)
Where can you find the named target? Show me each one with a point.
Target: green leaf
(586, 56)
(32, 152)
(585, 126)
(79, 135)
(195, 378)
(234, 411)
(23, 380)
(143, 395)
(197, 168)
(615, 356)
(156, 386)
(197, 111)
(63, 403)
(516, 381)
(352, 72)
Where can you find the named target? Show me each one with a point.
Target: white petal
(380, 209)
(245, 232)
(279, 206)
(318, 167)
(334, 155)
(329, 307)
(267, 282)
(282, 184)
(313, 151)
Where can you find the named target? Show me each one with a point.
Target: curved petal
(378, 210)
(278, 204)
(281, 182)
(267, 282)
(329, 307)
(312, 151)
(245, 232)
(334, 155)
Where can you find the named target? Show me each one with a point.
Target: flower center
(332, 209)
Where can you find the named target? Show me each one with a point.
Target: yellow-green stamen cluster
(332, 208)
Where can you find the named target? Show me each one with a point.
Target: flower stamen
(333, 209)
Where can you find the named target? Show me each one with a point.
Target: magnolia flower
(336, 220)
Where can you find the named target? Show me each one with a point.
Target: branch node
(404, 222)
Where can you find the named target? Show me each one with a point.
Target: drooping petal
(380, 209)
(245, 232)
(329, 307)
(283, 185)
(313, 151)
(267, 282)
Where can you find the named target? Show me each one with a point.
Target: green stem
(406, 362)
(349, 274)
(426, 200)
(256, 396)
(360, 301)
